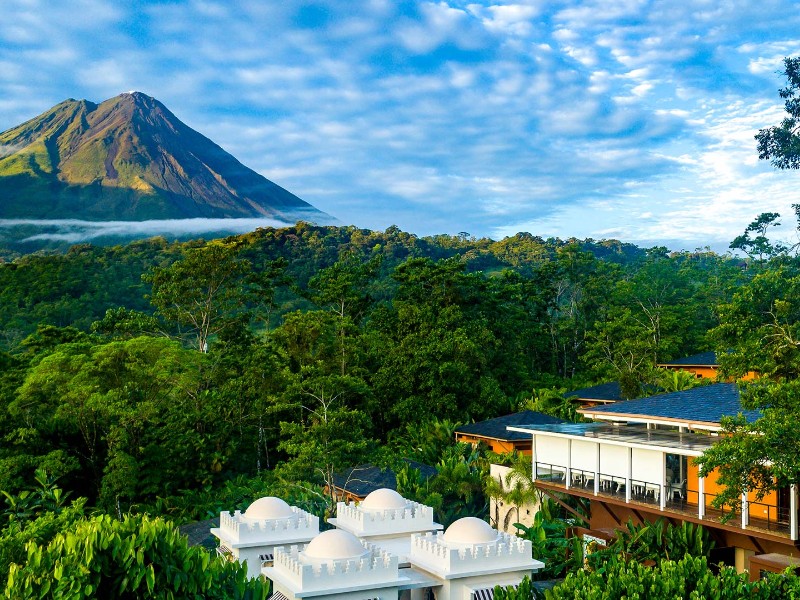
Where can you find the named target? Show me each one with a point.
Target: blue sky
(606, 119)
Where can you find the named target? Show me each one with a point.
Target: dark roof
(602, 391)
(363, 479)
(496, 428)
(199, 533)
(706, 359)
(706, 404)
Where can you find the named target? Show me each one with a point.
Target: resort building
(335, 564)
(389, 548)
(497, 433)
(602, 393)
(386, 519)
(469, 559)
(702, 365)
(635, 461)
(252, 536)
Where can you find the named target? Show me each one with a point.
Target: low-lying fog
(76, 231)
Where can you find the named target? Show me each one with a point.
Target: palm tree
(515, 487)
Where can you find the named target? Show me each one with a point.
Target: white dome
(268, 507)
(470, 530)
(335, 544)
(384, 499)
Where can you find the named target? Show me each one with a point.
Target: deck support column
(629, 475)
(597, 472)
(793, 512)
(701, 497)
(535, 469)
(662, 496)
(568, 472)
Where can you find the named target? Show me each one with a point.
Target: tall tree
(329, 437)
(202, 290)
(760, 331)
(780, 144)
(759, 248)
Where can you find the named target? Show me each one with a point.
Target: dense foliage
(137, 557)
(139, 372)
(170, 377)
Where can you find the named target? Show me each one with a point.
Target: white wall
(614, 460)
(648, 466)
(498, 509)
(584, 455)
(551, 450)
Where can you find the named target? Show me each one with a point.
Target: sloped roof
(363, 479)
(199, 533)
(704, 404)
(496, 428)
(705, 359)
(602, 391)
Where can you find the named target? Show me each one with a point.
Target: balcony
(679, 499)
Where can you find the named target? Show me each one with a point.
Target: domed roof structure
(470, 530)
(383, 499)
(268, 507)
(335, 544)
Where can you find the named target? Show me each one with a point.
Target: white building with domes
(470, 558)
(386, 519)
(251, 537)
(335, 564)
(389, 548)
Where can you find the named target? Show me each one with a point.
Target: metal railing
(582, 479)
(552, 473)
(768, 516)
(612, 485)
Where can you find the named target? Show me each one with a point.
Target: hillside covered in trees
(178, 379)
(141, 371)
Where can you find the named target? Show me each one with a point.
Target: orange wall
(707, 372)
(498, 446)
(712, 486)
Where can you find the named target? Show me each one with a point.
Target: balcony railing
(679, 497)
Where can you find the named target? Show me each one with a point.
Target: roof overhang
(644, 419)
(631, 442)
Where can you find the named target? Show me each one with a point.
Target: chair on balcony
(677, 488)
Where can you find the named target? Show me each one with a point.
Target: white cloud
(566, 117)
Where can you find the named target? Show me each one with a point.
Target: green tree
(136, 557)
(760, 327)
(329, 437)
(516, 488)
(759, 248)
(690, 578)
(780, 144)
(203, 290)
(550, 401)
(457, 489)
(434, 346)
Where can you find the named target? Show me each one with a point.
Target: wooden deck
(675, 508)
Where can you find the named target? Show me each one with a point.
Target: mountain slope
(129, 158)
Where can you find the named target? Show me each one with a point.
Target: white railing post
(701, 497)
(793, 511)
(745, 510)
(568, 473)
(533, 457)
(597, 472)
(629, 476)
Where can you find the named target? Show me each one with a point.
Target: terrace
(651, 469)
